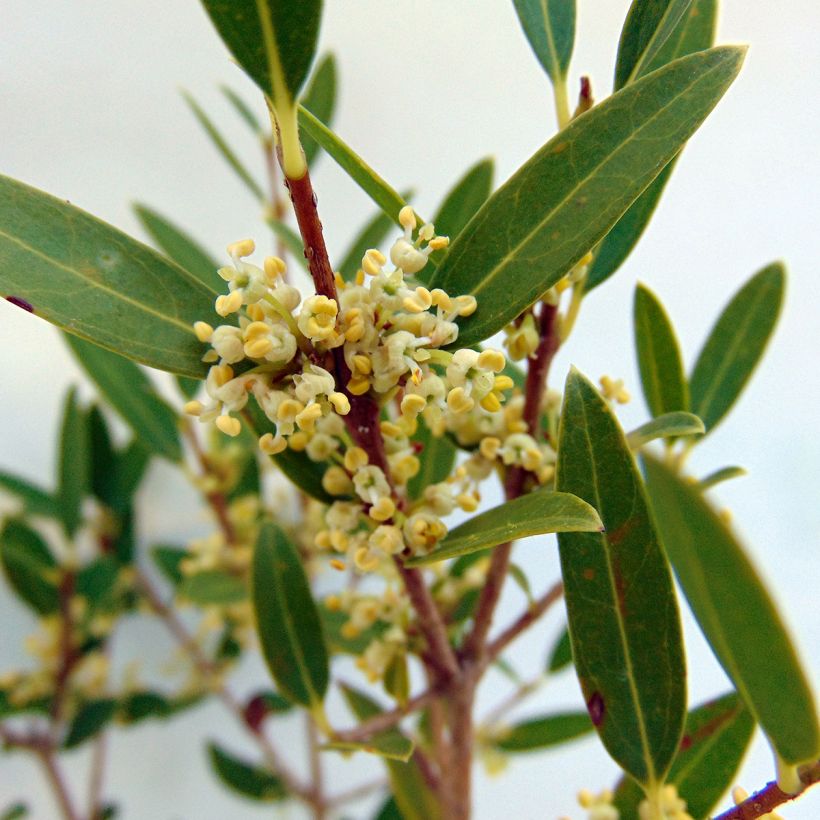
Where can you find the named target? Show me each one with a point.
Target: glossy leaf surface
(543, 732)
(464, 199)
(669, 425)
(132, 395)
(735, 613)
(550, 29)
(659, 357)
(736, 344)
(287, 620)
(272, 40)
(621, 607)
(249, 780)
(561, 202)
(714, 742)
(320, 100)
(95, 282)
(536, 513)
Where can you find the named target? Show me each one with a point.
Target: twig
(97, 773)
(57, 782)
(385, 720)
(770, 797)
(316, 780)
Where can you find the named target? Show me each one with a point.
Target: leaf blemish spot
(596, 708)
(589, 574)
(21, 303)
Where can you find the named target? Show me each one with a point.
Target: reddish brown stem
(68, 652)
(385, 720)
(770, 797)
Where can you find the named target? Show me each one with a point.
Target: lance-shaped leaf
(694, 32)
(389, 810)
(436, 459)
(392, 745)
(714, 742)
(413, 797)
(272, 40)
(533, 514)
(74, 463)
(212, 587)
(648, 25)
(132, 395)
(29, 567)
(543, 732)
(668, 425)
(243, 110)
(736, 614)
(35, 500)
(95, 282)
(464, 199)
(248, 779)
(550, 29)
(659, 358)
(621, 607)
(561, 654)
(287, 620)
(718, 476)
(736, 344)
(90, 720)
(561, 202)
(221, 145)
(320, 100)
(178, 246)
(384, 195)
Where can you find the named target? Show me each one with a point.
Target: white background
(90, 110)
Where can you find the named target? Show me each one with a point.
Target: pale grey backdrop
(90, 110)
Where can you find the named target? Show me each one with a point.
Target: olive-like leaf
(392, 745)
(462, 201)
(272, 40)
(536, 513)
(561, 654)
(29, 567)
(74, 462)
(35, 500)
(413, 796)
(694, 32)
(736, 344)
(131, 394)
(96, 582)
(249, 780)
(389, 810)
(90, 720)
(542, 732)
(178, 246)
(669, 425)
(287, 620)
(95, 282)
(566, 197)
(212, 587)
(550, 29)
(168, 559)
(718, 476)
(648, 25)
(243, 110)
(320, 100)
(436, 458)
(735, 613)
(221, 145)
(340, 641)
(659, 358)
(622, 612)
(714, 742)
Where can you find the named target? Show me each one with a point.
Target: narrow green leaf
(132, 395)
(669, 425)
(221, 145)
(103, 456)
(212, 587)
(95, 282)
(714, 742)
(736, 344)
(129, 472)
(561, 655)
(372, 235)
(242, 108)
(648, 25)
(565, 199)
(90, 720)
(168, 560)
(353, 165)
(550, 29)
(333, 622)
(694, 32)
(736, 614)
(389, 810)
(320, 100)
(521, 581)
(144, 705)
(29, 567)
(287, 620)
(464, 199)
(659, 358)
(436, 459)
(273, 41)
(621, 607)
(533, 514)
(74, 460)
(397, 679)
(96, 582)
(16, 811)
(290, 239)
(178, 246)
(35, 500)
(724, 474)
(411, 793)
(247, 779)
(543, 732)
